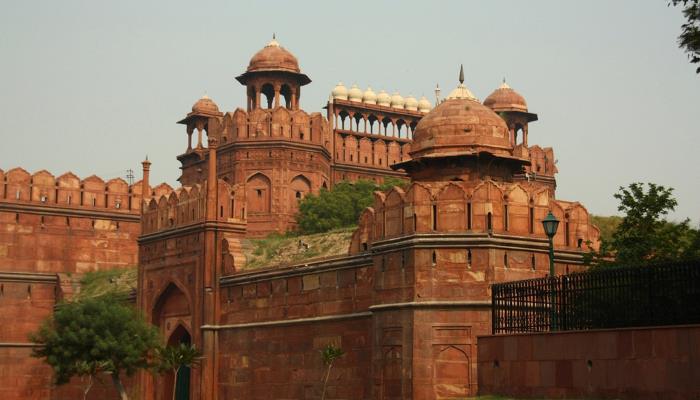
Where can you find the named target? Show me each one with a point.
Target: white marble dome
(355, 94)
(410, 103)
(397, 101)
(424, 105)
(340, 91)
(369, 96)
(383, 99)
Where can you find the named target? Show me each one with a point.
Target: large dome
(460, 126)
(506, 99)
(273, 57)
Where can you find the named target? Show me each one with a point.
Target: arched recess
(299, 188)
(392, 365)
(452, 372)
(258, 193)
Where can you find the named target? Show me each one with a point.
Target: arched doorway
(171, 313)
(182, 383)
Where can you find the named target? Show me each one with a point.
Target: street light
(550, 224)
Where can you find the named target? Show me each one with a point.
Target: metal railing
(667, 294)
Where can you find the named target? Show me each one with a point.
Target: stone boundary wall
(630, 363)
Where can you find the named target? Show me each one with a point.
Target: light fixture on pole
(550, 224)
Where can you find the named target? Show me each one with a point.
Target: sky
(94, 86)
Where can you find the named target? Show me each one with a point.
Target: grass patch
(117, 281)
(285, 249)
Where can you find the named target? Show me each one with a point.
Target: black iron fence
(656, 295)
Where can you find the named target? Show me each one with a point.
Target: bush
(339, 207)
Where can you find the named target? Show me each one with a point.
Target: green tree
(94, 335)
(329, 354)
(339, 207)
(689, 39)
(173, 358)
(643, 235)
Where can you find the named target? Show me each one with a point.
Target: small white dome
(396, 100)
(424, 105)
(369, 96)
(411, 103)
(340, 91)
(383, 99)
(461, 92)
(355, 94)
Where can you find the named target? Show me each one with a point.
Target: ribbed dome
(460, 126)
(205, 105)
(506, 99)
(273, 57)
(340, 91)
(396, 100)
(355, 94)
(424, 105)
(411, 103)
(383, 99)
(369, 96)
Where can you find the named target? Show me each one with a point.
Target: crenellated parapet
(187, 205)
(68, 191)
(489, 207)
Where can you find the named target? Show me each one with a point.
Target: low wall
(631, 363)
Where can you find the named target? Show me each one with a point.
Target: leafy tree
(173, 358)
(94, 335)
(643, 236)
(689, 39)
(339, 207)
(329, 354)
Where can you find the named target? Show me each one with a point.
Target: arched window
(286, 93)
(489, 221)
(268, 91)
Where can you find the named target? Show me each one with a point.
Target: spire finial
(504, 79)
(273, 36)
(461, 74)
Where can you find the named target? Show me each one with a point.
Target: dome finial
(461, 73)
(273, 36)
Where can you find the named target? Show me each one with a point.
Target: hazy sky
(94, 86)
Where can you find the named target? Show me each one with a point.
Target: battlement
(187, 205)
(17, 186)
(279, 123)
(489, 208)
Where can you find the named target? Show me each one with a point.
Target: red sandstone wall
(637, 363)
(284, 362)
(65, 244)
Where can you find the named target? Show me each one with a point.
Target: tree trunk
(87, 388)
(118, 385)
(175, 371)
(325, 381)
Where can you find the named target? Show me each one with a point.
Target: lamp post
(550, 224)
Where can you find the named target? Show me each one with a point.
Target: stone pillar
(210, 282)
(199, 136)
(525, 135)
(189, 138)
(277, 95)
(145, 188)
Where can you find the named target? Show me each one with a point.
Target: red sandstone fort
(406, 303)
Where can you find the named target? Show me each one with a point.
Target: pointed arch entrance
(171, 313)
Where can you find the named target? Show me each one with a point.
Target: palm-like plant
(329, 354)
(173, 358)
